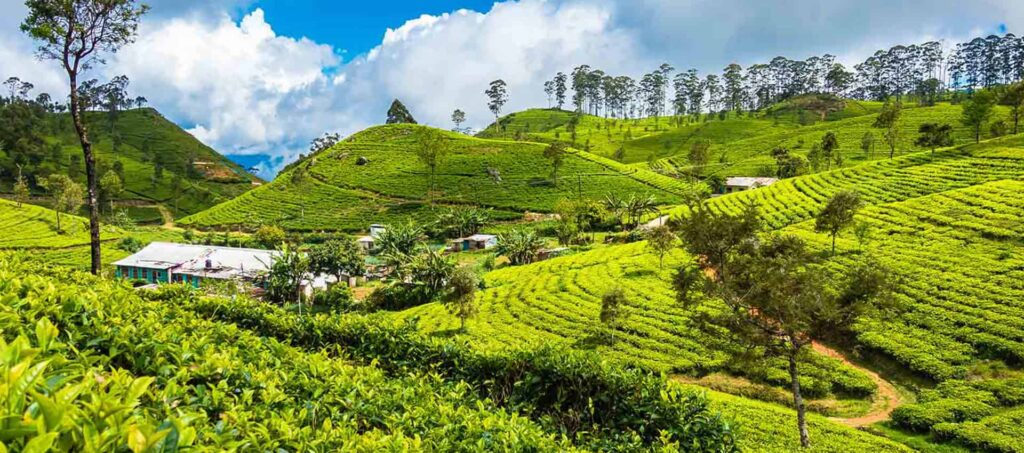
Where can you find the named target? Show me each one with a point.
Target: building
(166, 262)
(741, 183)
(474, 242)
(368, 243)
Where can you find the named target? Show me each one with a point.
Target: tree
(111, 187)
(269, 236)
(462, 221)
(549, 90)
(497, 95)
(287, 272)
(787, 164)
(560, 89)
(398, 114)
(700, 153)
(1014, 98)
(889, 119)
(432, 269)
(323, 143)
(779, 297)
(339, 258)
(458, 117)
(520, 245)
(460, 298)
(867, 143)
(65, 195)
(555, 153)
(977, 110)
(612, 313)
(21, 192)
(660, 241)
(637, 206)
(829, 145)
(431, 150)
(934, 135)
(397, 244)
(76, 33)
(838, 214)
(298, 177)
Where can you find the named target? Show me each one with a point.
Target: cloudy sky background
(261, 79)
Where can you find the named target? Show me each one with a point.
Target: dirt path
(166, 214)
(886, 400)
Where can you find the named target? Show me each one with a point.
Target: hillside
(740, 144)
(947, 224)
(142, 139)
(374, 176)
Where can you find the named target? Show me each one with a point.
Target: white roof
(225, 262)
(365, 239)
(480, 237)
(744, 181)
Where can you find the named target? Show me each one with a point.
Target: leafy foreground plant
(229, 389)
(218, 387)
(595, 404)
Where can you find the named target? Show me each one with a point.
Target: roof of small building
(225, 262)
(746, 181)
(477, 238)
(365, 239)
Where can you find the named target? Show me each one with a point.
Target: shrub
(129, 244)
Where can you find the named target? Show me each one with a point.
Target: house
(367, 243)
(545, 254)
(166, 262)
(741, 183)
(474, 242)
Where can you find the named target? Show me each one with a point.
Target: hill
(374, 176)
(740, 144)
(141, 140)
(946, 224)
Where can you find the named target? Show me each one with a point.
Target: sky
(258, 80)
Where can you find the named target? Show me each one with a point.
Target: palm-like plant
(637, 206)
(521, 246)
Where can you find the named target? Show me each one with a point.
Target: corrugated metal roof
(225, 262)
(745, 181)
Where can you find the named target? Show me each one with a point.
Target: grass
(740, 144)
(144, 136)
(341, 194)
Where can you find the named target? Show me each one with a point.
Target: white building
(475, 242)
(741, 183)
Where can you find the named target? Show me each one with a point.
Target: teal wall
(141, 273)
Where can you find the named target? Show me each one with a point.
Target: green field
(740, 144)
(947, 224)
(143, 137)
(340, 194)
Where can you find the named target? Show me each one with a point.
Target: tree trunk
(833, 245)
(798, 401)
(90, 176)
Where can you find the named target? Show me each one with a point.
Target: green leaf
(40, 444)
(53, 413)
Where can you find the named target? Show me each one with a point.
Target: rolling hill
(142, 139)
(374, 177)
(740, 144)
(948, 225)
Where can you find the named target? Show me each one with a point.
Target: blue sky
(353, 27)
(263, 78)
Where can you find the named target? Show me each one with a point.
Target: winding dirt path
(166, 214)
(886, 400)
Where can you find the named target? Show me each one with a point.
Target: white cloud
(244, 89)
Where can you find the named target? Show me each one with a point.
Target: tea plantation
(740, 145)
(374, 177)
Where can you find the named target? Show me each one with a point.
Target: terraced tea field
(339, 193)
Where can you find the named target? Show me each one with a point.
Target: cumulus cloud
(244, 89)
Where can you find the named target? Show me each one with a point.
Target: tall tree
(549, 90)
(934, 135)
(977, 110)
(560, 89)
(867, 143)
(838, 214)
(1014, 98)
(660, 241)
(111, 186)
(613, 304)
(555, 152)
(700, 153)
(21, 191)
(431, 150)
(497, 96)
(734, 93)
(829, 148)
(339, 258)
(65, 195)
(779, 297)
(458, 117)
(76, 33)
(398, 114)
(889, 119)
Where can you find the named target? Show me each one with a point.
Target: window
(145, 274)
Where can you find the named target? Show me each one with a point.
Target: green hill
(140, 140)
(740, 144)
(374, 176)
(947, 224)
